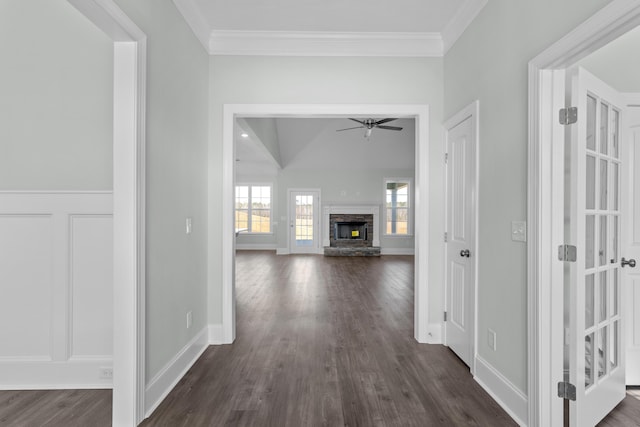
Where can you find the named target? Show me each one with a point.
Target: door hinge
(567, 253)
(566, 390)
(446, 237)
(446, 157)
(568, 116)
(445, 316)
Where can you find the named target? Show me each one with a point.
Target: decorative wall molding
(165, 380)
(465, 16)
(56, 257)
(328, 43)
(312, 43)
(508, 396)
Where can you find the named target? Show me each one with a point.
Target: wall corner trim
(507, 395)
(165, 380)
(216, 334)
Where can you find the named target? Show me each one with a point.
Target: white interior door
(460, 274)
(595, 288)
(304, 221)
(631, 242)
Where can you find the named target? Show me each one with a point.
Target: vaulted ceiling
(271, 144)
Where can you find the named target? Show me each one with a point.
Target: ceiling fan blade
(359, 121)
(357, 127)
(389, 127)
(379, 122)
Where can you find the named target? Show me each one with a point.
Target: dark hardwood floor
(320, 342)
(325, 341)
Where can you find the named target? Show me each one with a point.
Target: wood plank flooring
(327, 342)
(320, 342)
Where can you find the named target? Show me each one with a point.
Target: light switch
(188, 226)
(519, 231)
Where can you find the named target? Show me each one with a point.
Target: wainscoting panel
(56, 310)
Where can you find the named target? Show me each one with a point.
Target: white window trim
(409, 212)
(257, 184)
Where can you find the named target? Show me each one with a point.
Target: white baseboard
(397, 251)
(256, 246)
(165, 380)
(216, 334)
(282, 251)
(508, 396)
(434, 333)
(33, 374)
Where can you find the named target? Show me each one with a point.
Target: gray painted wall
(56, 107)
(317, 80)
(177, 128)
(489, 63)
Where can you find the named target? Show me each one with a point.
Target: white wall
(489, 63)
(56, 82)
(177, 127)
(317, 80)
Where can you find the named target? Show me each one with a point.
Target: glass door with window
(304, 221)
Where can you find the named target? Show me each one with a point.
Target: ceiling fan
(370, 124)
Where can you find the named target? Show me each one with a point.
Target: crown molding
(195, 19)
(315, 43)
(322, 43)
(462, 19)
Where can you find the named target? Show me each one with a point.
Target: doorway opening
(417, 112)
(547, 82)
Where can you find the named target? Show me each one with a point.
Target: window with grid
(253, 208)
(397, 206)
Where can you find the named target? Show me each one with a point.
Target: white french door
(461, 237)
(304, 221)
(596, 163)
(631, 244)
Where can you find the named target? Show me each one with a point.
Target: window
(253, 208)
(397, 206)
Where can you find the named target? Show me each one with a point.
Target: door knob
(466, 253)
(631, 263)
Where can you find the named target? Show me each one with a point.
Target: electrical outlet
(491, 339)
(106, 373)
(188, 226)
(189, 319)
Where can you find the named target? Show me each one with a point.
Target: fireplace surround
(351, 230)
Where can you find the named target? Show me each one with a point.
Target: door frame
(317, 233)
(471, 111)
(419, 112)
(546, 201)
(129, 127)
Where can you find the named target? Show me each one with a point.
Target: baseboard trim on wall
(256, 246)
(80, 373)
(397, 251)
(282, 251)
(434, 333)
(165, 380)
(508, 396)
(216, 334)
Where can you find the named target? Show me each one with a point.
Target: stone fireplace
(351, 230)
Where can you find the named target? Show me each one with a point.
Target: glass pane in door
(304, 220)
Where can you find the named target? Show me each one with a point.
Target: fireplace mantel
(353, 210)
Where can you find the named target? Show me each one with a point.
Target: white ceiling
(430, 16)
(314, 143)
(329, 27)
